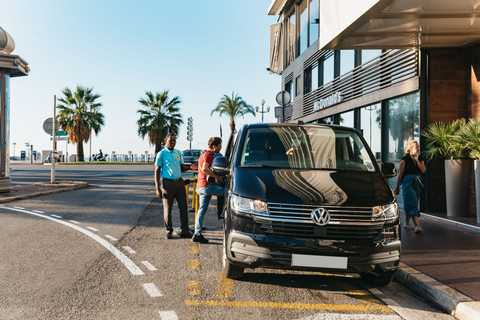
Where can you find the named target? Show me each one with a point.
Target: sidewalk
(442, 264)
(25, 191)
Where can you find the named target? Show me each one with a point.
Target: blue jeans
(205, 194)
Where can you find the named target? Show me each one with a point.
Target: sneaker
(185, 235)
(168, 235)
(199, 238)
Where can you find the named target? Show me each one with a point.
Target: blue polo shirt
(170, 162)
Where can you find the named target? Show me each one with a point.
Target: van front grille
(294, 221)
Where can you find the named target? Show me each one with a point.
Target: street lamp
(262, 112)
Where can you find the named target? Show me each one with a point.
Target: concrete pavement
(441, 264)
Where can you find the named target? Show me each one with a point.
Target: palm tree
(233, 107)
(161, 117)
(79, 115)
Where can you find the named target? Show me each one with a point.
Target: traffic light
(190, 130)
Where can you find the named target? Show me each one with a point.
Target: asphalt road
(100, 253)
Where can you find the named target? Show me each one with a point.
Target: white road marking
(152, 290)
(76, 222)
(38, 211)
(52, 215)
(129, 250)
(111, 238)
(19, 208)
(168, 315)
(149, 266)
(344, 316)
(132, 267)
(92, 228)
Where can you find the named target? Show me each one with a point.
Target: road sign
(61, 133)
(61, 138)
(48, 126)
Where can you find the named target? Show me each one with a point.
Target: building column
(5, 182)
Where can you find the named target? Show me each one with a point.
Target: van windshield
(305, 147)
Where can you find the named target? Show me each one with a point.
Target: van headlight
(386, 212)
(246, 207)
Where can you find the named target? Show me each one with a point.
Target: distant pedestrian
(170, 186)
(411, 165)
(206, 186)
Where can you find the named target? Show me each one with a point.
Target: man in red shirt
(206, 188)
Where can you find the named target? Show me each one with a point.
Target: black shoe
(199, 238)
(185, 235)
(168, 235)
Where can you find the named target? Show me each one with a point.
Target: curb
(62, 187)
(450, 300)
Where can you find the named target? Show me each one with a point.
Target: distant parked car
(191, 155)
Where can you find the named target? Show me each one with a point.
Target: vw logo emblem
(320, 216)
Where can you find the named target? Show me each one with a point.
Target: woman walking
(411, 165)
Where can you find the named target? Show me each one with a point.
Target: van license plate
(303, 260)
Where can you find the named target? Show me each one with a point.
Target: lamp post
(14, 150)
(262, 112)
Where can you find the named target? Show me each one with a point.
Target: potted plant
(470, 135)
(445, 140)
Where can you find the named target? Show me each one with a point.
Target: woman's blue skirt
(411, 190)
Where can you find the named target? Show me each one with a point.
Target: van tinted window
(305, 147)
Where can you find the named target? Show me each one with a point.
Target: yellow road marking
(283, 305)
(193, 250)
(194, 288)
(224, 288)
(353, 291)
(194, 264)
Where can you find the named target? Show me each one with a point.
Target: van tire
(378, 278)
(230, 270)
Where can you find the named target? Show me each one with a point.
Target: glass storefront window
(404, 124)
(303, 24)
(370, 126)
(314, 16)
(368, 55)
(307, 80)
(326, 120)
(346, 119)
(288, 88)
(347, 61)
(315, 76)
(328, 68)
(298, 85)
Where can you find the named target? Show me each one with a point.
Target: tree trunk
(80, 152)
(158, 148)
(232, 126)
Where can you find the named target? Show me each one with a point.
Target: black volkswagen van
(308, 197)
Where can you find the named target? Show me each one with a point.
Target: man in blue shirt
(170, 186)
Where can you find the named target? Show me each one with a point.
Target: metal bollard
(187, 185)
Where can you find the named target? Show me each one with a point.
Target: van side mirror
(220, 165)
(389, 170)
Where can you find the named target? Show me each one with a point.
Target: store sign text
(335, 98)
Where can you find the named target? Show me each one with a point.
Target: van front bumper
(253, 250)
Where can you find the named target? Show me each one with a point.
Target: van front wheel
(229, 270)
(379, 278)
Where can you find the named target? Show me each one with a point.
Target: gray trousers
(174, 190)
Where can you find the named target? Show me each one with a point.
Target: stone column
(10, 66)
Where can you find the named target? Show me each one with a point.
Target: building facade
(385, 67)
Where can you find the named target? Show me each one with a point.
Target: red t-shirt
(206, 156)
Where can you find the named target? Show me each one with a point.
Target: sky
(198, 50)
